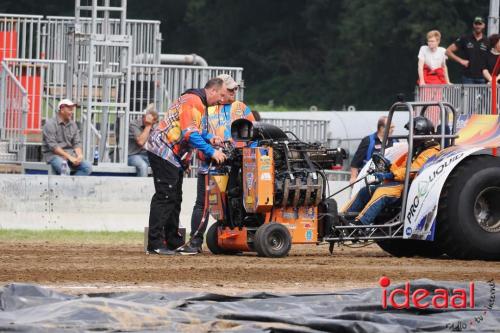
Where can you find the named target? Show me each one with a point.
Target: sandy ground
(88, 268)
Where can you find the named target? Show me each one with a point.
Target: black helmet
(421, 126)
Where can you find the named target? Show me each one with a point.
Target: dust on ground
(87, 268)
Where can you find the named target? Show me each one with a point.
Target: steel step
(8, 157)
(4, 147)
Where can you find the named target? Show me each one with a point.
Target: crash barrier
(102, 169)
(89, 203)
(13, 116)
(27, 308)
(465, 98)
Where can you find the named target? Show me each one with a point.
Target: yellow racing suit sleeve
(399, 171)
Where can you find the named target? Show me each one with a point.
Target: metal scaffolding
(111, 66)
(108, 53)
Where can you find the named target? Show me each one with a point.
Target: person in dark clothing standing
(169, 148)
(491, 57)
(472, 49)
(369, 145)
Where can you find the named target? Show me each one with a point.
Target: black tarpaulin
(30, 308)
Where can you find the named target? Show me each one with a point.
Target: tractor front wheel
(213, 240)
(272, 240)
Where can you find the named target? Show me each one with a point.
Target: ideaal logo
(440, 298)
(460, 298)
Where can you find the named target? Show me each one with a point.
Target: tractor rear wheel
(469, 210)
(411, 248)
(272, 240)
(213, 240)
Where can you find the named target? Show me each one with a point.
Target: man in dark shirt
(472, 49)
(369, 145)
(61, 141)
(139, 130)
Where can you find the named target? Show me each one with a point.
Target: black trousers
(166, 202)
(200, 212)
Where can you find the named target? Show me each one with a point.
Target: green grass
(71, 236)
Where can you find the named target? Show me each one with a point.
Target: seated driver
(391, 186)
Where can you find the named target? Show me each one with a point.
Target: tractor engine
(275, 170)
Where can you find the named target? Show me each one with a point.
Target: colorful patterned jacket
(218, 121)
(181, 130)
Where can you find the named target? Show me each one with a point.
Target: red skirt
(434, 76)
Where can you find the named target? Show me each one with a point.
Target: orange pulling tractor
(270, 193)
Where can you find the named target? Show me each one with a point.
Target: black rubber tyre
(272, 240)
(411, 248)
(212, 240)
(468, 223)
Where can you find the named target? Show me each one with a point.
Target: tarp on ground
(31, 308)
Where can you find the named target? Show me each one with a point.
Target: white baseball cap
(65, 101)
(229, 81)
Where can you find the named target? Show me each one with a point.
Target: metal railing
(13, 113)
(306, 130)
(44, 86)
(20, 36)
(163, 84)
(146, 37)
(465, 98)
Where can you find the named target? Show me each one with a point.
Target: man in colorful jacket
(389, 192)
(217, 122)
(169, 149)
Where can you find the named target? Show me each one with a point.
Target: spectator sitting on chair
(139, 130)
(369, 145)
(61, 141)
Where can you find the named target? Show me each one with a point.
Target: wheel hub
(276, 241)
(486, 209)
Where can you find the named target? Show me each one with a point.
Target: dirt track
(86, 268)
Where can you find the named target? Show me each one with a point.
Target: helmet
(421, 126)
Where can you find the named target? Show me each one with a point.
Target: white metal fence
(13, 112)
(33, 36)
(306, 130)
(146, 37)
(163, 84)
(20, 36)
(466, 98)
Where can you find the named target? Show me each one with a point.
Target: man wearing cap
(169, 149)
(472, 49)
(61, 141)
(217, 122)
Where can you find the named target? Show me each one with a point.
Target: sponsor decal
(408, 231)
(424, 186)
(309, 235)
(212, 199)
(291, 215)
(265, 176)
(249, 178)
(309, 213)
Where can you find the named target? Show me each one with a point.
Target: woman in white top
(432, 61)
